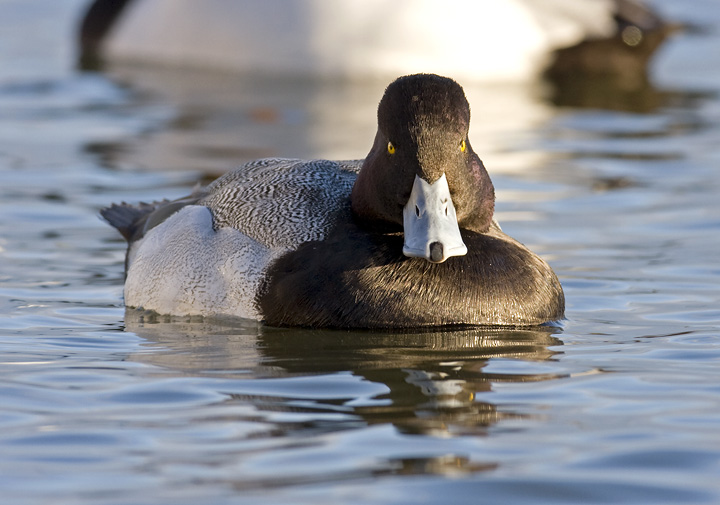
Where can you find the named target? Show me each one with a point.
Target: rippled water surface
(619, 405)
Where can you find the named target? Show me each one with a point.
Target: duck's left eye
(391, 148)
(463, 145)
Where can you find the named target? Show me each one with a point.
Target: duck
(404, 238)
(500, 41)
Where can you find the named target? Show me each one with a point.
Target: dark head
(422, 169)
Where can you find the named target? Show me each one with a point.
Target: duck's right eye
(391, 148)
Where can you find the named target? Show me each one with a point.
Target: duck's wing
(282, 203)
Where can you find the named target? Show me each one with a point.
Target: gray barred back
(282, 202)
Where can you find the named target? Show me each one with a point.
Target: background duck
(404, 238)
(474, 41)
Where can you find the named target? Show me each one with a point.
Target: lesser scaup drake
(403, 238)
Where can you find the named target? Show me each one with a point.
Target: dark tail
(134, 221)
(129, 219)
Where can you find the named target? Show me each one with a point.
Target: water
(620, 405)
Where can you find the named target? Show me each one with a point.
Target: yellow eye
(463, 146)
(391, 148)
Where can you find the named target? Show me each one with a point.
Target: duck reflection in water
(434, 382)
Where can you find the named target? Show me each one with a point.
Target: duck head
(422, 175)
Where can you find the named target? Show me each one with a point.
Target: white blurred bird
(481, 41)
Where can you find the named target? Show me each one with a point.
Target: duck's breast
(362, 280)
